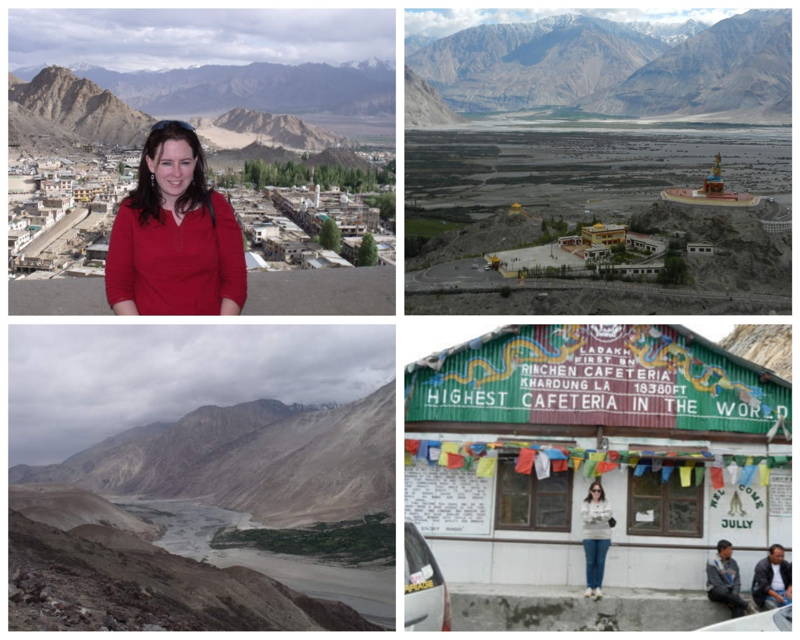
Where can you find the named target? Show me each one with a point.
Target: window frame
(532, 493)
(665, 501)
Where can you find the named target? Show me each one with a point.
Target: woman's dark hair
(146, 197)
(602, 492)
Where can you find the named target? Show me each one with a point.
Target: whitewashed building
(690, 443)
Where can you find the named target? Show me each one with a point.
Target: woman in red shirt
(176, 247)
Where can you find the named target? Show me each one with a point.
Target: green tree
(676, 271)
(330, 236)
(385, 202)
(368, 252)
(120, 167)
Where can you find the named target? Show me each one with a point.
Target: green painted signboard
(651, 376)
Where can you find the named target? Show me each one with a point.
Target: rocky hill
(277, 462)
(746, 257)
(66, 507)
(741, 66)
(330, 465)
(280, 130)
(338, 157)
(34, 134)
(554, 61)
(424, 106)
(80, 106)
(97, 579)
(768, 345)
(235, 158)
(500, 232)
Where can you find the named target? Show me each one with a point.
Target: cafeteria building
(504, 434)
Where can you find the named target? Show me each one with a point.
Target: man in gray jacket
(723, 579)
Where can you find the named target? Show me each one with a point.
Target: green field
(348, 541)
(429, 227)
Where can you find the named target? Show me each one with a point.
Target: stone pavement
(480, 607)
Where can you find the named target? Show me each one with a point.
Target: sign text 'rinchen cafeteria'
(624, 375)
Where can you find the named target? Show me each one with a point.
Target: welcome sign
(620, 375)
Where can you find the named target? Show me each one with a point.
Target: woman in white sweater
(595, 512)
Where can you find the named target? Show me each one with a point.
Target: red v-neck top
(172, 269)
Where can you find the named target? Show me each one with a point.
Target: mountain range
(740, 66)
(285, 465)
(670, 33)
(513, 66)
(358, 88)
(58, 109)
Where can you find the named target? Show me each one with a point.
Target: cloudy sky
(438, 23)
(73, 385)
(151, 39)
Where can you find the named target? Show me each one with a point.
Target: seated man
(772, 580)
(723, 579)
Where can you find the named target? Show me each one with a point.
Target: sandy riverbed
(189, 526)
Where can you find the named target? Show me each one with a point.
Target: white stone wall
(657, 567)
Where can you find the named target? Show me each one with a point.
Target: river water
(190, 526)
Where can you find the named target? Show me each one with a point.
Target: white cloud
(126, 40)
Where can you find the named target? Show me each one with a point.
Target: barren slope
(68, 507)
(62, 581)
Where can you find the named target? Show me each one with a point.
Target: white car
(773, 620)
(427, 602)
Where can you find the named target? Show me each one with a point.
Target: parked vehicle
(427, 602)
(773, 620)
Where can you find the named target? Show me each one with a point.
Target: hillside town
(61, 210)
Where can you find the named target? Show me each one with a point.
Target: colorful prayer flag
(447, 447)
(412, 446)
(454, 461)
(699, 474)
(686, 475)
(525, 461)
(487, 467)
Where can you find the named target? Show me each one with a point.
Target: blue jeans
(772, 603)
(596, 551)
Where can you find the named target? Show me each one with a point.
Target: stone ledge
(362, 291)
(480, 607)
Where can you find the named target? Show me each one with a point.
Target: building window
(656, 509)
(524, 502)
